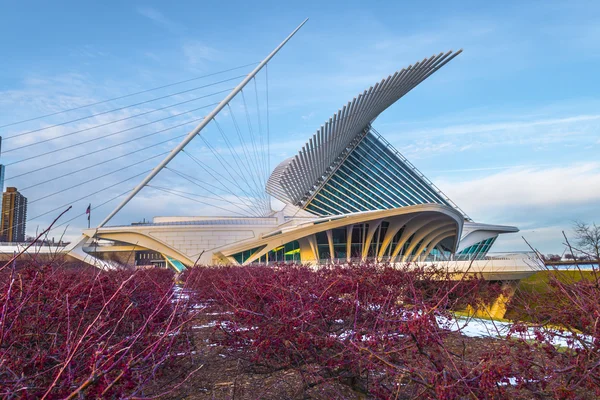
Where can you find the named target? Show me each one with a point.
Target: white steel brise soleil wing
(295, 178)
(198, 128)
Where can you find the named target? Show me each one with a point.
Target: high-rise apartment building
(1, 169)
(14, 216)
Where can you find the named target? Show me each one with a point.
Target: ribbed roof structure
(295, 178)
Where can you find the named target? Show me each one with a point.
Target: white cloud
(547, 239)
(519, 131)
(159, 18)
(534, 186)
(522, 127)
(541, 201)
(198, 54)
(308, 116)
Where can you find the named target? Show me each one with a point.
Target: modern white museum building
(348, 195)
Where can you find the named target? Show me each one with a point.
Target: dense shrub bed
(563, 328)
(80, 332)
(374, 330)
(378, 328)
(384, 332)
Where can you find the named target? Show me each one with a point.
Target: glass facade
(476, 251)
(349, 242)
(340, 242)
(242, 256)
(372, 177)
(357, 243)
(289, 252)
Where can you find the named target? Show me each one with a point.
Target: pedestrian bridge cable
(90, 166)
(227, 167)
(96, 178)
(251, 166)
(113, 134)
(259, 158)
(199, 183)
(37, 142)
(181, 194)
(88, 181)
(61, 207)
(126, 96)
(45, 167)
(116, 109)
(213, 173)
(236, 157)
(250, 163)
(191, 194)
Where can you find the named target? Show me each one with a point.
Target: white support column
(373, 226)
(434, 244)
(329, 234)
(413, 226)
(426, 242)
(423, 232)
(349, 242)
(395, 225)
(312, 241)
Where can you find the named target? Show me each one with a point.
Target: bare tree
(588, 238)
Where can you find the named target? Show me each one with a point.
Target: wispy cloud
(530, 186)
(160, 19)
(540, 200)
(198, 54)
(308, 116)
(523, 132)
(512, 126)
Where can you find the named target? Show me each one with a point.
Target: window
(242, 256)
(372, 177)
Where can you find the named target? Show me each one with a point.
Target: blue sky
(510, 129)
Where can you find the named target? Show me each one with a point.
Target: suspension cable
(236, 158)
(260, 131)
(197, 201)
(206, 168)
(243, 144)
(125, 96)
(87, 181)
(251, 131)
(195, 182)
(254, 158)
(198, 183)
(111, 147)
(118, 109)
(93, 165)
(108, 135)
(84, 197)
(120, 120)
(96, 178)
(226, 168)
(268, 127)
(191, 194)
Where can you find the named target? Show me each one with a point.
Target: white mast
(198, 128)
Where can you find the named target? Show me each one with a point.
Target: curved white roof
(296, 176)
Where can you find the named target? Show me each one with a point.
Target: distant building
(14, 216)
(1, 178)
(1, 169)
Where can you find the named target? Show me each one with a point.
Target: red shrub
(68, 332)
(374, 326)
(560, 347)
